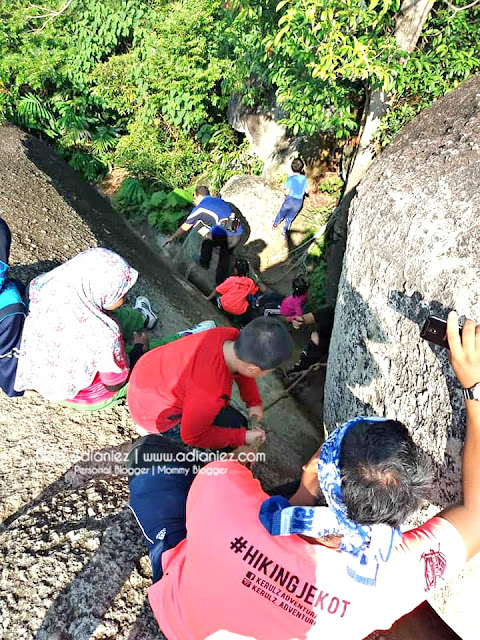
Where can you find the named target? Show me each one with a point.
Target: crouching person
(300, 569)
(234, 294)
(183, 389)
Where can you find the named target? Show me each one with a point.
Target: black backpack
(231, 224)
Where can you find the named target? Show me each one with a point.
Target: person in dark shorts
(159, 485)
(224, 230)
(317, 348)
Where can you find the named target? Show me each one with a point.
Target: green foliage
(145, 74)
(163, 210)
(145, 83)
(227, 157)
(317, 280)
(447, 53)
(316, 261)
(166, 210)
(318, 58)
(44, 73)
(160, 153)
(331, 186)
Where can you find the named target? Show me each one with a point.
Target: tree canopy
(145, 84)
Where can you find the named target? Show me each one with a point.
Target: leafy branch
(456, 9)
(49, 15)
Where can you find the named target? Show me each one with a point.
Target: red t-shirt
(233, 294)
(188, 381)
(231, 579)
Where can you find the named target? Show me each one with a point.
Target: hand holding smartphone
(435, 330)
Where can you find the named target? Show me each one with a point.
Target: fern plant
(163, 210)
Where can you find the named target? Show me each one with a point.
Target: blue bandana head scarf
(368, 545)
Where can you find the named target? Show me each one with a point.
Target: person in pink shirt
(292, 306)
(329, 560)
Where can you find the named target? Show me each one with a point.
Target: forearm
(212, 437)
(178, 234)
(465, 517)
(465, 360)
(308, 318)
(212, 295)
(471, 458)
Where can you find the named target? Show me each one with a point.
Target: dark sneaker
(142, 304)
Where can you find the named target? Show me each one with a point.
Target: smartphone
(435, 330)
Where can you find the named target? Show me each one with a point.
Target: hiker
(73, 350)
(233, 295)
(292, 306)
(290, 568)
(183, 389)
(222, 229)
(271, 303)
(296, 187)
(12, 316)
(317, 348)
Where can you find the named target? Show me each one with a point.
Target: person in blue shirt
(12, 316)
(215, 214)
(296, 188)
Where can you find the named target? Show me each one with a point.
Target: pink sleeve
(298, 305)
(288, 308)
(112, 379)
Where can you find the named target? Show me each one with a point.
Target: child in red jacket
(233, 293)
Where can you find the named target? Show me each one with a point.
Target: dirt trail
(73, 566)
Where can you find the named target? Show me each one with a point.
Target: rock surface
(413, 250)
(258, 203)
(73, 565)
(268, 139)
(271, 142)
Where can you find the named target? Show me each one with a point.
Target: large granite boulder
(413, 249)
(271, 141)
(73, 564)
(268, 251)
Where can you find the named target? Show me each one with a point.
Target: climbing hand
(255, 437)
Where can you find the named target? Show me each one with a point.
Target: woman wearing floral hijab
(72, 348)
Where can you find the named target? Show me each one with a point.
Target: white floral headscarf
(68, 337)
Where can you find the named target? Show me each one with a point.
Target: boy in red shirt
(189, 383)
(234, 292)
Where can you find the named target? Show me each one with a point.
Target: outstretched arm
(465, 360)
(212, 295)
(300, 321)
(182, 230)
